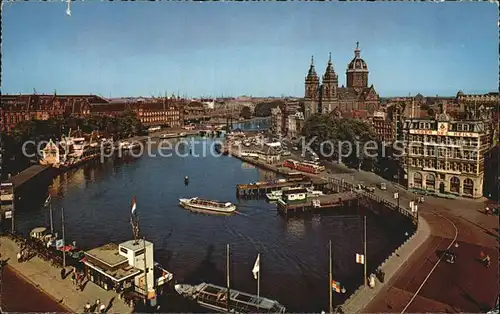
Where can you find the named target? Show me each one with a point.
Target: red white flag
(336, 286)
(360, 258)
(134, 206)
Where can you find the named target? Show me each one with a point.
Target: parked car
(382, 186)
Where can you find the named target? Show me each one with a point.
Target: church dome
(357, 64)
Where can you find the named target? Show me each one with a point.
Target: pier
(260, 189)
(28, 174)
(320, 203)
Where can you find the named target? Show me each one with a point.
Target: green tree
(330, 136)
(246, 112)
(263, 109)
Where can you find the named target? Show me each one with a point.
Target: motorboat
(208, 205)
(215, 298)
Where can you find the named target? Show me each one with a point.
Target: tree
(263, 109)
(246, 112)
(346, 139)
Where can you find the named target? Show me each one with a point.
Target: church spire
(329, 71)
(312, 70)
(357, 51)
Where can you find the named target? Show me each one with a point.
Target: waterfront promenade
(47, 278)
(417, 280)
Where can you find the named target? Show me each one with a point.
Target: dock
(324, 202)
(28, 174)
(260, 189)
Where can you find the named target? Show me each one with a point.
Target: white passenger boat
(197, 203)
(214, 297)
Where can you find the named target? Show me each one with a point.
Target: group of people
(77, 279)
(30, 248)
(98, 307)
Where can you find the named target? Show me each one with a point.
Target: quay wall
(362, 296)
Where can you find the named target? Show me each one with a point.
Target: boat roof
(294, 191)
(243, 297)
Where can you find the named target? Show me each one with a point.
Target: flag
(360, 258)
(47, 201)
(256, 267)
(336, 286)
(134, 206)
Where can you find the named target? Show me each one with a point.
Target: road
(18, 295)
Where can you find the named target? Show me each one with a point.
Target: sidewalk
(48, 278)
(364, 295)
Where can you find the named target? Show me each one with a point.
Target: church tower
(311, 98)
(357, 71)
(329, 87)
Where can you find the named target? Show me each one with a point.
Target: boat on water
(214, 297)
(126, 145)
(197, 203)
(276, 195)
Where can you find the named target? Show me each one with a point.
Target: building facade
(383, 127)
(326, 95)
(287, 120)
(447, 156)
(18, 108)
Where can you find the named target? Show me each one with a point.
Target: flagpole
(63, 237)
(227, 275)
(258, 283)
(51, 217)
(364, 252)
(330, 275)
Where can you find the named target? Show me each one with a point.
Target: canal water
(294, 252)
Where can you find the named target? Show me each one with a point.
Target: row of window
(455, 153)
(443, 165)
(445, 140)
(160, 113)
(460, 127)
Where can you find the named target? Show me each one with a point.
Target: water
(294, 252)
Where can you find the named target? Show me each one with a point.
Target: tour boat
(214, 297)
(197, 203)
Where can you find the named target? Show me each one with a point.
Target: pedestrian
(487, 210)
(97, 303)
(19, 257)
(102, 308)
(63, 272)
(77, 281)
(73, 278)
(87, 307)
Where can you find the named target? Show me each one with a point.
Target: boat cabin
(294, 195)
(52, 154)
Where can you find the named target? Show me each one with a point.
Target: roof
(107, 254)
(135, 246)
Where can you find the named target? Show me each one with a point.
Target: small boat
(197, 203)
(186, 180)
(214, 297)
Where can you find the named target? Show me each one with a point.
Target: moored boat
(197, 203)
(276, 195)
(214, 297)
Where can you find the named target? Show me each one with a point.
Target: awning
(86, 262)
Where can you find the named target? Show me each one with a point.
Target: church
(328, 98)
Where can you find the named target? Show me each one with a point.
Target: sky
(117, 49)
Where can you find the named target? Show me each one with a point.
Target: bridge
(28, 174)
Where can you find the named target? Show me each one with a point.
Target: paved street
(14, 292)
(464, 286)
(47, 278)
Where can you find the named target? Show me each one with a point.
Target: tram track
(436, 264)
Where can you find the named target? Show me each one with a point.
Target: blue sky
(246, 48)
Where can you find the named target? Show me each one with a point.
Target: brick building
(287, 120)
(17, 108)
